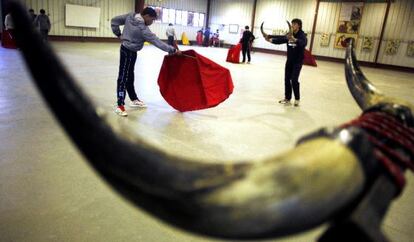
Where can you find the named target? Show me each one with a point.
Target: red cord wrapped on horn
(393, 142)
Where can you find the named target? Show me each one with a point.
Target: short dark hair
(31, 10)
(42, 11)
(298, 21)
(149, 11)
(246, 27)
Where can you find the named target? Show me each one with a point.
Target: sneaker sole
(120, 114)
(137, 106)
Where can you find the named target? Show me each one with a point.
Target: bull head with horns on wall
(356, 169)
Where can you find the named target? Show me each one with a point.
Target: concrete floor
(49, 193)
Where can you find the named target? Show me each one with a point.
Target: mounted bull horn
(256, 199)
(363, 91)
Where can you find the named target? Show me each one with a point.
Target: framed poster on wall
(392, 47)
(340, 39)
(349, 22)
(324, 39)
(367, 43)
(410, 49)
(233, 28)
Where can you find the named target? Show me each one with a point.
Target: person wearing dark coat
(246, 42)
(32, 15)
(296, 42)
(42, 23)
(206, 40)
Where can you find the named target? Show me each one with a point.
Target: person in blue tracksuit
(133, 36)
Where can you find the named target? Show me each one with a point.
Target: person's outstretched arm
(116, 22)
(278, 39)
(153, 39)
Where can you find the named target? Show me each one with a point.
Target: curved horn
(280, 195)
(363, 91)
(290, 27)
(261, 29)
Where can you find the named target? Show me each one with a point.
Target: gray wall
(400, 23)
(56, 11)
(110, 8)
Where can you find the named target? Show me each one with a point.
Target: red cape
(192, 82)
(309, 59)
(233, 55)
(7, 40)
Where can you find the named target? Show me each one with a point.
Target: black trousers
(206, 41)
(126, 76)
(292, 71)
(44, 33)
(246, 50)
(171, 40)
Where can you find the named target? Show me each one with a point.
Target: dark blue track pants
(126, 75)
(292, 71)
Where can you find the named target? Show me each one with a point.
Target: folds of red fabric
(192, 82)
(309, 59)
(233, 55)
(7, 39)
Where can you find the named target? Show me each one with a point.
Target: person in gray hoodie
(42, 22)
(133, 36)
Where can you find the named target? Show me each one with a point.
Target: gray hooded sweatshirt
(135, 33)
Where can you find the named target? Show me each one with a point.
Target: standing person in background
(133, 36)
(8, 22)
(296, 42)
(246, 41)
(42, 22)
(215, 39)
(32, 15)
(206, 40)
(199, 37)
(7, 38)
(170, 32)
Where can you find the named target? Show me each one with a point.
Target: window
(165, 15)
(201, 20)
(184, 18)
(190, 19)
(196, 18)
(171, 16)
(178, 17)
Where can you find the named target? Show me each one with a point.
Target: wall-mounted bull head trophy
(327, 177)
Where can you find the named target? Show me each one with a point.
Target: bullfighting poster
(349, 22)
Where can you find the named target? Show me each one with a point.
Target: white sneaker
(137, 104)
(120, 110)
(296, 103)
(284, 101)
